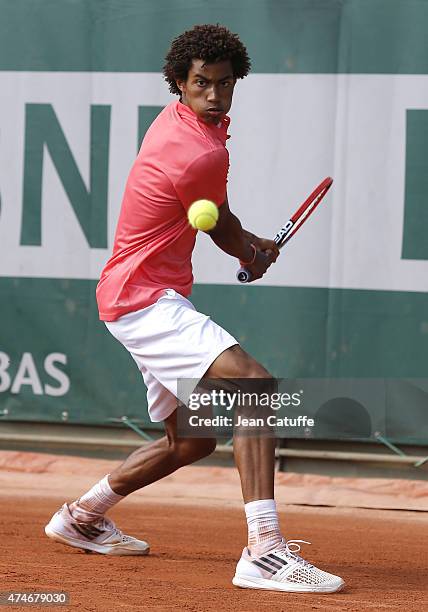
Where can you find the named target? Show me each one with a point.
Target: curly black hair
(210, 43)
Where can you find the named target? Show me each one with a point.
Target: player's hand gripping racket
(290, 228)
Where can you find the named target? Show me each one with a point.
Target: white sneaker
(101, 537)
(281, 569)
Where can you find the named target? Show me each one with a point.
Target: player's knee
(245, 366)
(250, 368)
(189, 450)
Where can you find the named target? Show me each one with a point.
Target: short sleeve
(204, 178)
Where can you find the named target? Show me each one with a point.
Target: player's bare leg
(158, 459)
(254, 456)
(269, 561)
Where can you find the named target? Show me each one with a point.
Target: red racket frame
(295, 222)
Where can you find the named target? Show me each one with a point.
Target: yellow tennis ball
(203, 215)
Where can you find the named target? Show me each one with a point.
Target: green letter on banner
(42, 128)
(415, 230)
(146, 116)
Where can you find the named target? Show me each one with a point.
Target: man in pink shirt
(181, 160)
(142, 297)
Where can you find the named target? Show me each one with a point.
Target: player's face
(208, 90)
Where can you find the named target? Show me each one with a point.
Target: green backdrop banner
(338, 88)
(289, 36)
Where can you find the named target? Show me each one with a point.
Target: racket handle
(243, 275)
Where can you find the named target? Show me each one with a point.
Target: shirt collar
(219, 131)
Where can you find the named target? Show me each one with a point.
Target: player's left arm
(230, 236)
(262, 244)
(205, 177)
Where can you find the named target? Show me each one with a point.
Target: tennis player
(143, 299)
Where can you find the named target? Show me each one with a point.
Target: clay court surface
(381, 554)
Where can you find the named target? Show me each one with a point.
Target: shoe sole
(91, 547)
(270, 585)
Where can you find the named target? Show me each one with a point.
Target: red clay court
(196, 534)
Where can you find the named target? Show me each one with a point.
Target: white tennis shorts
(170, 340)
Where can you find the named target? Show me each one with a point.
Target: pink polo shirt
(181, 160)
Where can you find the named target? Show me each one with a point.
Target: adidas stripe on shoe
(102, 537)
(283, 570)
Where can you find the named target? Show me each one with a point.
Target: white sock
(263, 525)
(95, 503)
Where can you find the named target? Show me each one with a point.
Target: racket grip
(243, 275)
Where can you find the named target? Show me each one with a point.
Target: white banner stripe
(288, 133)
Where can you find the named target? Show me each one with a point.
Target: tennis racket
(288, 230)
